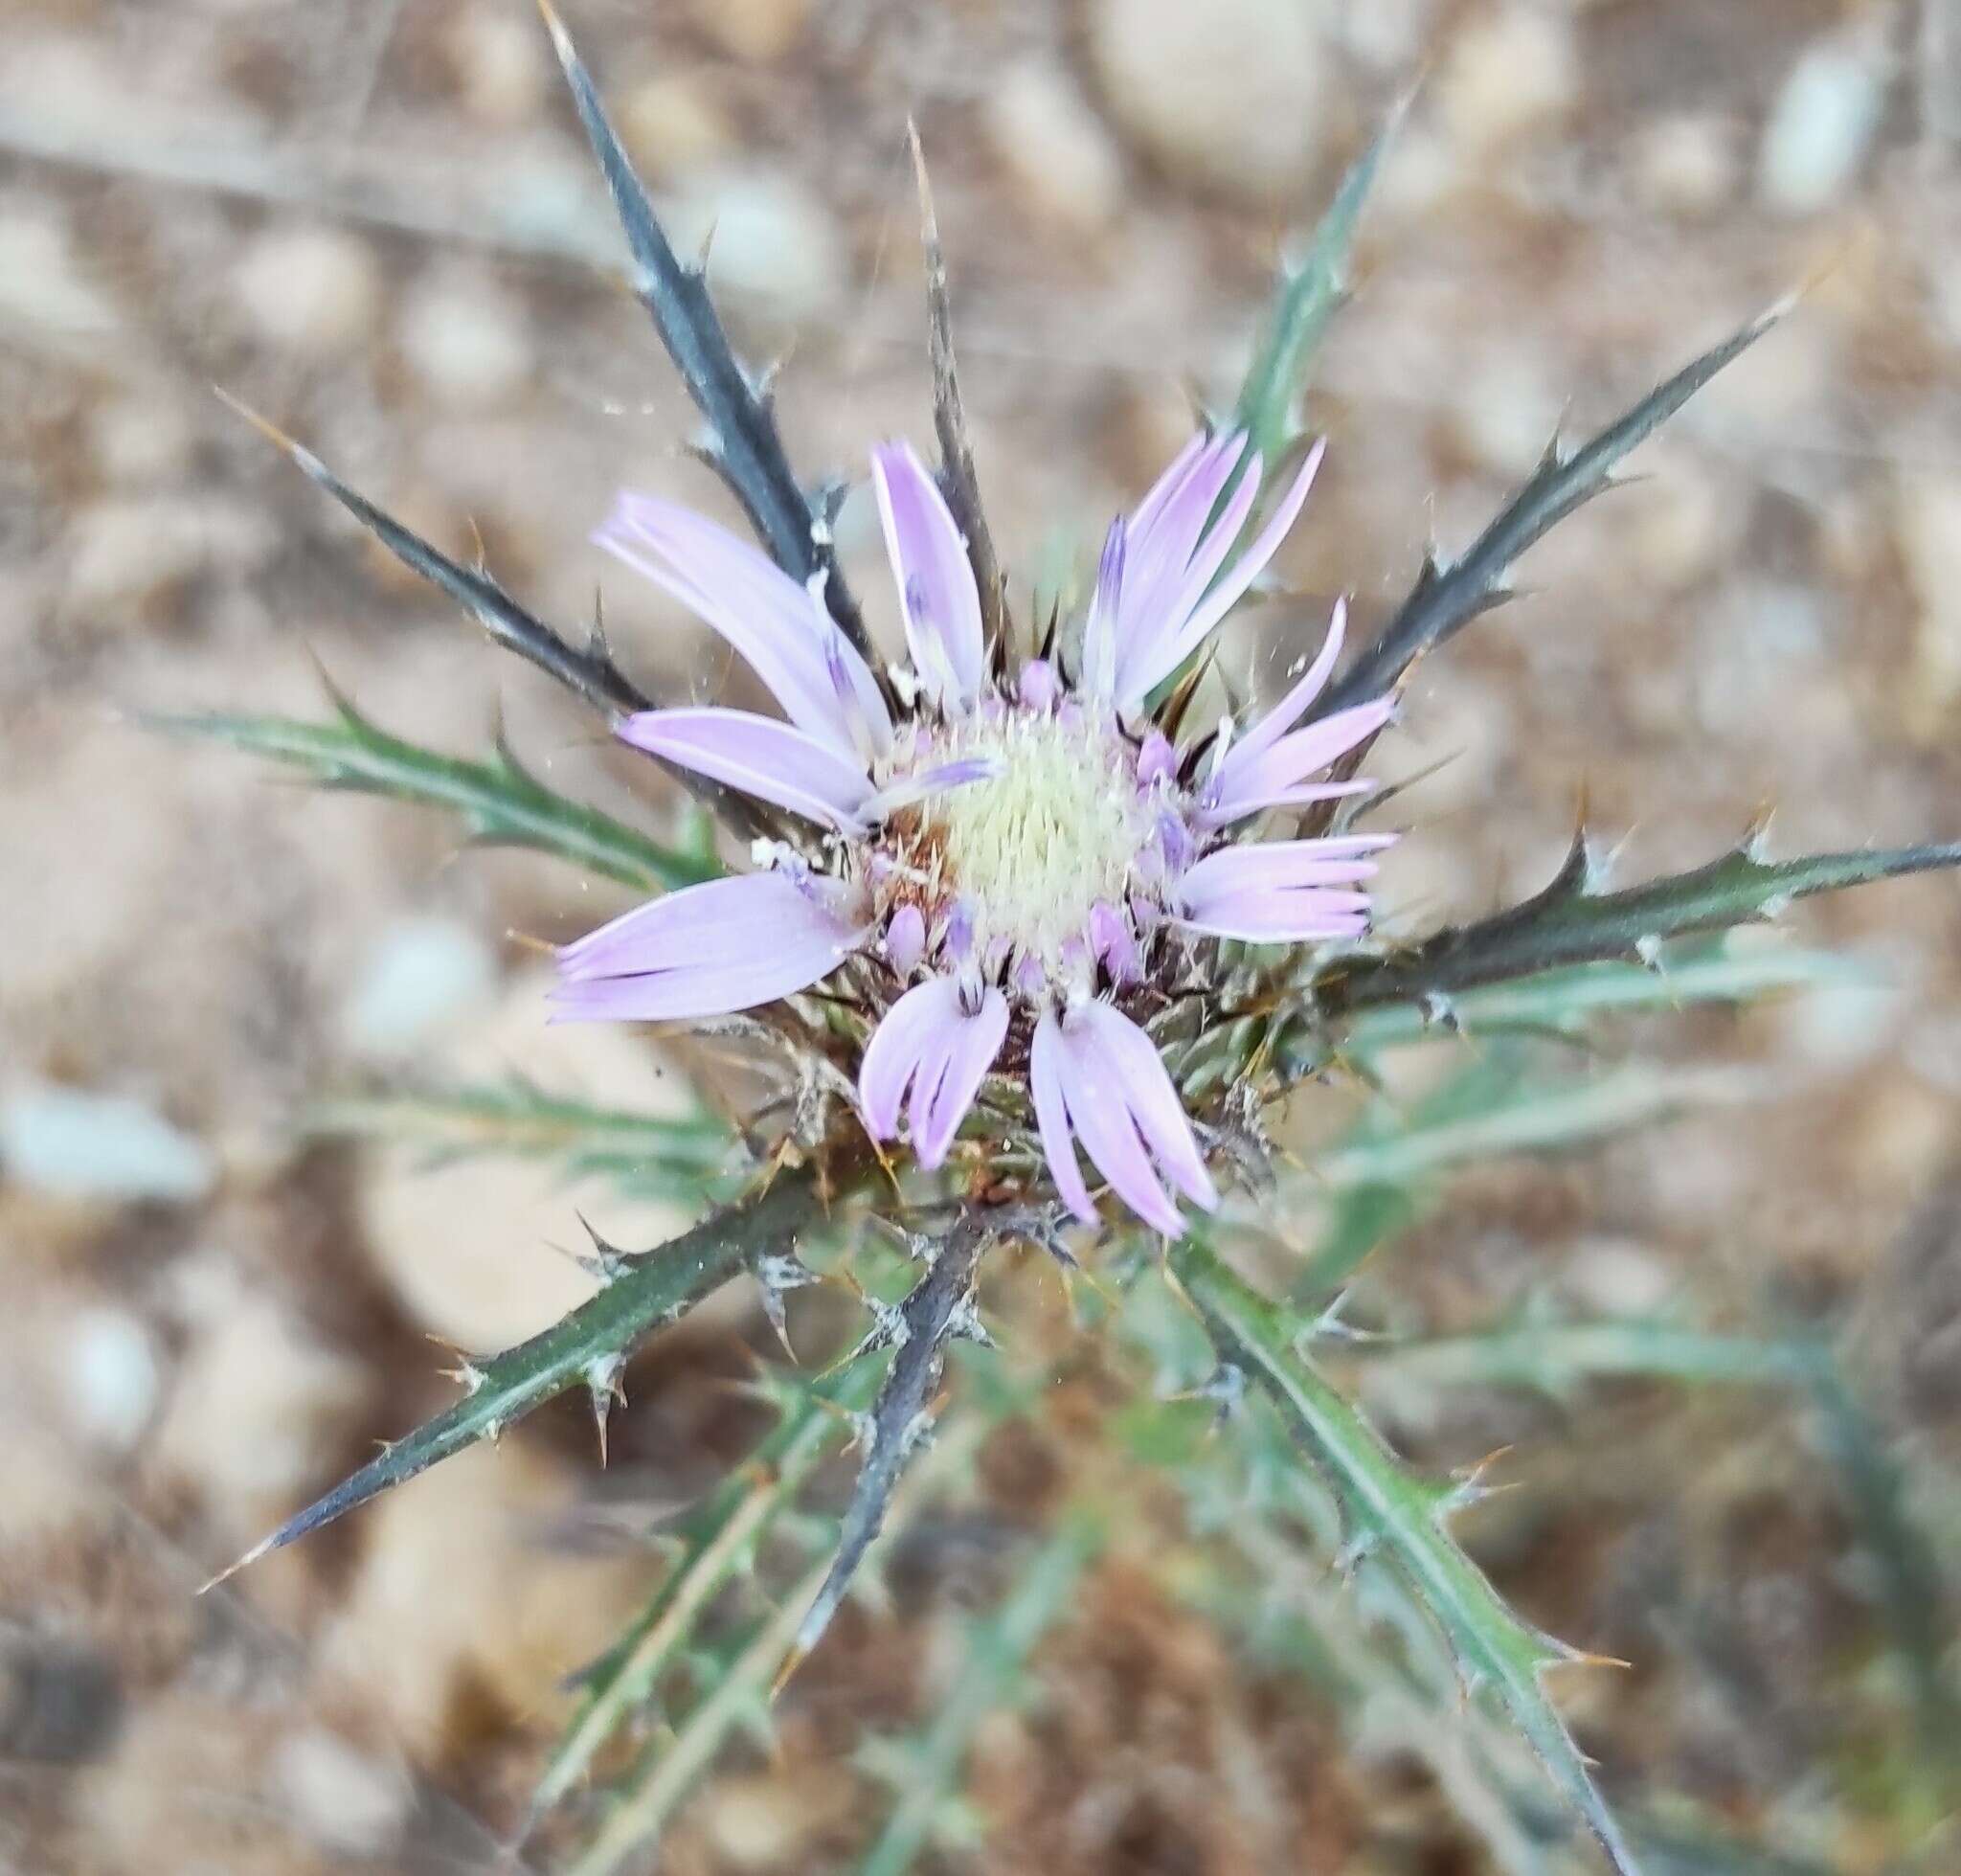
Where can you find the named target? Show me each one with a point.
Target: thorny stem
(1447, 597)
(742, 444)
(1388, 1509)
(591, 674)
(1567, 924)
(938, 1309)
(652, 1289)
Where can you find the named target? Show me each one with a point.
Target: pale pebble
(258, 1411)
(344, 1799)
(1053, 148)
(1818, 130)
(502, 63)
(420, 975)
(76, 1144)
(1508, 73)
(465, 338)
(755, 31)
(767, 235)
(676, 125)
(309, 293)
(478, 1251)
(1231, 96)
(111, 1376)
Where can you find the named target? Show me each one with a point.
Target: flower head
(1008, 872)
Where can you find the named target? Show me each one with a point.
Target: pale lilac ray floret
(1005, 873)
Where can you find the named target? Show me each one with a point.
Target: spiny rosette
(1008, 871)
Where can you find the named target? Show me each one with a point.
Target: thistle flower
(1006, 871)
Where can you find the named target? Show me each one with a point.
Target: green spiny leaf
(1535, 1118)
(1402, 1518)
(649, 1290)
(1715, 1851)
(1562, 1002)
(1567, 924)
(639, 1152)
(739, 1689)
(737, 1695)
(1912, 1584)
(499, 802)
(998, 1650)
(1553, 1357)
(1249, 1579)
(716, 1538)
(1305, 297)
(1390, 1694)
(1384, 1175)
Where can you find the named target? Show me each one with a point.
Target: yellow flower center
(1030, 850)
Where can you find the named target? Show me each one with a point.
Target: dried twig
(957, 478)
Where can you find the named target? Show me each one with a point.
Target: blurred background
(373, 220)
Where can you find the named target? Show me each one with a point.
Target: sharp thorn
(264, 1545)
(561, 39)
(298, 452)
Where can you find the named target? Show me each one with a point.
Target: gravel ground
(374, 222)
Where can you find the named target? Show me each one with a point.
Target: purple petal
(1219, 539)
(1220, 814)
(1106, 605)
(1038, 686)
(893, 1054)
(1158, 559)
(854, 689)
(1145, 515)
(945, 1086)
(1052, 1118)
(958, 936)
(1311, 862)
(1112, 941)
(904, 939)
(927, 1039)
(1101, 1117)
(704, 951)
(1174, 840)
(1157, 760)
(1283, 917)
(1282, 717)
(777, 626)
(1286, 762)
(905, 790)
(1282, 891)
(1183, 633)
(871, 730)
(935, 580)
(1138, 1069)
(1167, 525)
(758, 755)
